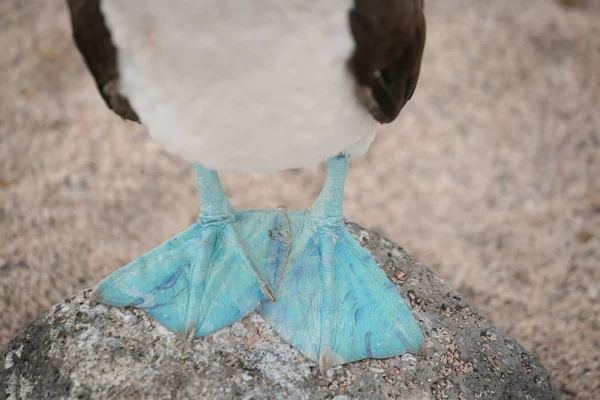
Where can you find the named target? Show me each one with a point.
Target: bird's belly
(249, 86)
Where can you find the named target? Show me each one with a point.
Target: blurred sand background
(491, 176)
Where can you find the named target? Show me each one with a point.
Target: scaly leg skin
(210, 275)
(334, 303)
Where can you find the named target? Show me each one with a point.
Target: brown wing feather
(390, 38)
(94, 43)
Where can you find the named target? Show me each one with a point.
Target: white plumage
(251, 86)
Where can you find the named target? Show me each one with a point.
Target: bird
(257, 87)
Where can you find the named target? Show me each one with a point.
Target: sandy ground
(491, 176)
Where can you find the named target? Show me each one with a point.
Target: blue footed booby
(260, 86)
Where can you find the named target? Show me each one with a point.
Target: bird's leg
(334, 303)
(210, 275)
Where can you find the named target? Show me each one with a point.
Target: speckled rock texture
(79, 351)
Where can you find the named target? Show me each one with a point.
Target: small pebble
(377, 370)
(246, 377)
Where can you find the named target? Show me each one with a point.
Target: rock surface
(78, 351)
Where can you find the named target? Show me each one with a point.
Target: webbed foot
(334, 303)
(209, 276)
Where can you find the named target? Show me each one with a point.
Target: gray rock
(78, 351)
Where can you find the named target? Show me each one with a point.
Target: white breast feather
(251, 86)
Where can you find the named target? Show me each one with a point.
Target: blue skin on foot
(209, 276)
(333, 302)
(204, 277)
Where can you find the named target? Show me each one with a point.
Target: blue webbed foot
(334, 303)
(209, 276)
